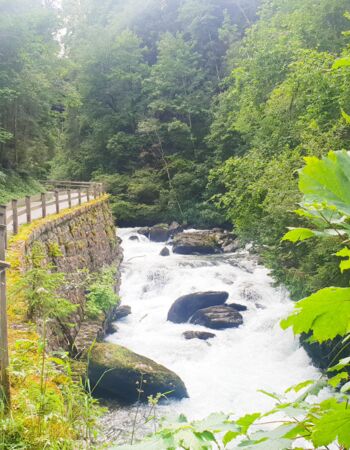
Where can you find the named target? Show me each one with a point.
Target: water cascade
(226, 372)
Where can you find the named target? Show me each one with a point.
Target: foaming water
(225, 373)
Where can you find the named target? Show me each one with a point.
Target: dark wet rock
(157, 233)
(121, 312)
(134, 238)
(322, 354)
(116, 372)
(238, 307)
(144, 231)
(202, 335)
(217, 317)
(165, 252)
(112, 328)
(195, 243)
(184, 307)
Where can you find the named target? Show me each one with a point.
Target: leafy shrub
(13, 185)
(102, 297)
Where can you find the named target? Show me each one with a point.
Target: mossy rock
(196, 243)
(117, 372)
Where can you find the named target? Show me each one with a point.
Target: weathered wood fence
(56, 196)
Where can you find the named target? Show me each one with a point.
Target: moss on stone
(118, 372)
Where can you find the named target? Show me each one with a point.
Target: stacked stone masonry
(79, 242)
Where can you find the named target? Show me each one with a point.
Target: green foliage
(32, 86)
(325, 184)
(146, 77)
(101, 295)
(324, 315)
(283, 427)
(285, 99)
(51, 406)
(62, 416)
(40, 285)
(14, 186)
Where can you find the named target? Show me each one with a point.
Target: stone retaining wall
(76, 241)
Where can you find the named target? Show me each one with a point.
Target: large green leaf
(326, 313)
(326, 181)
(298, 234)
(345, 263)
(333, 425)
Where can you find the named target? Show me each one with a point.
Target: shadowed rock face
(217, 317)
(117, 372)
(202, 335)
(121, 312)
(184, 307)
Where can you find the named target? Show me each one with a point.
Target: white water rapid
(224, 373)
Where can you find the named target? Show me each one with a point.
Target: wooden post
(69, 198)
(57, 200)
(14, 216)
(4, 354)
(79, 195)
(43, 204)
(95, 190)
(28, 209)
(88, 194)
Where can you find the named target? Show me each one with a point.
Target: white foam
(225, 373)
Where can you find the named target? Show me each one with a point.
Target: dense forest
(199, 112)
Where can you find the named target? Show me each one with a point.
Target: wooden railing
(57, 195)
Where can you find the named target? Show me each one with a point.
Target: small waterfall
(225, 373)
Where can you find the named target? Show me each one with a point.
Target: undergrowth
(101, 295)
(51, 405)
(14, 186)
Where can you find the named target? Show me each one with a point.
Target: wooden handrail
(59, 194)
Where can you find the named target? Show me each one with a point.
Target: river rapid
(224, 373)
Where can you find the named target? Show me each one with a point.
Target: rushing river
(224, 373)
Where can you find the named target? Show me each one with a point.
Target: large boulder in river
(157, 233)
(117, 372)
(203, 243)
(184, 307)
(217, 317)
